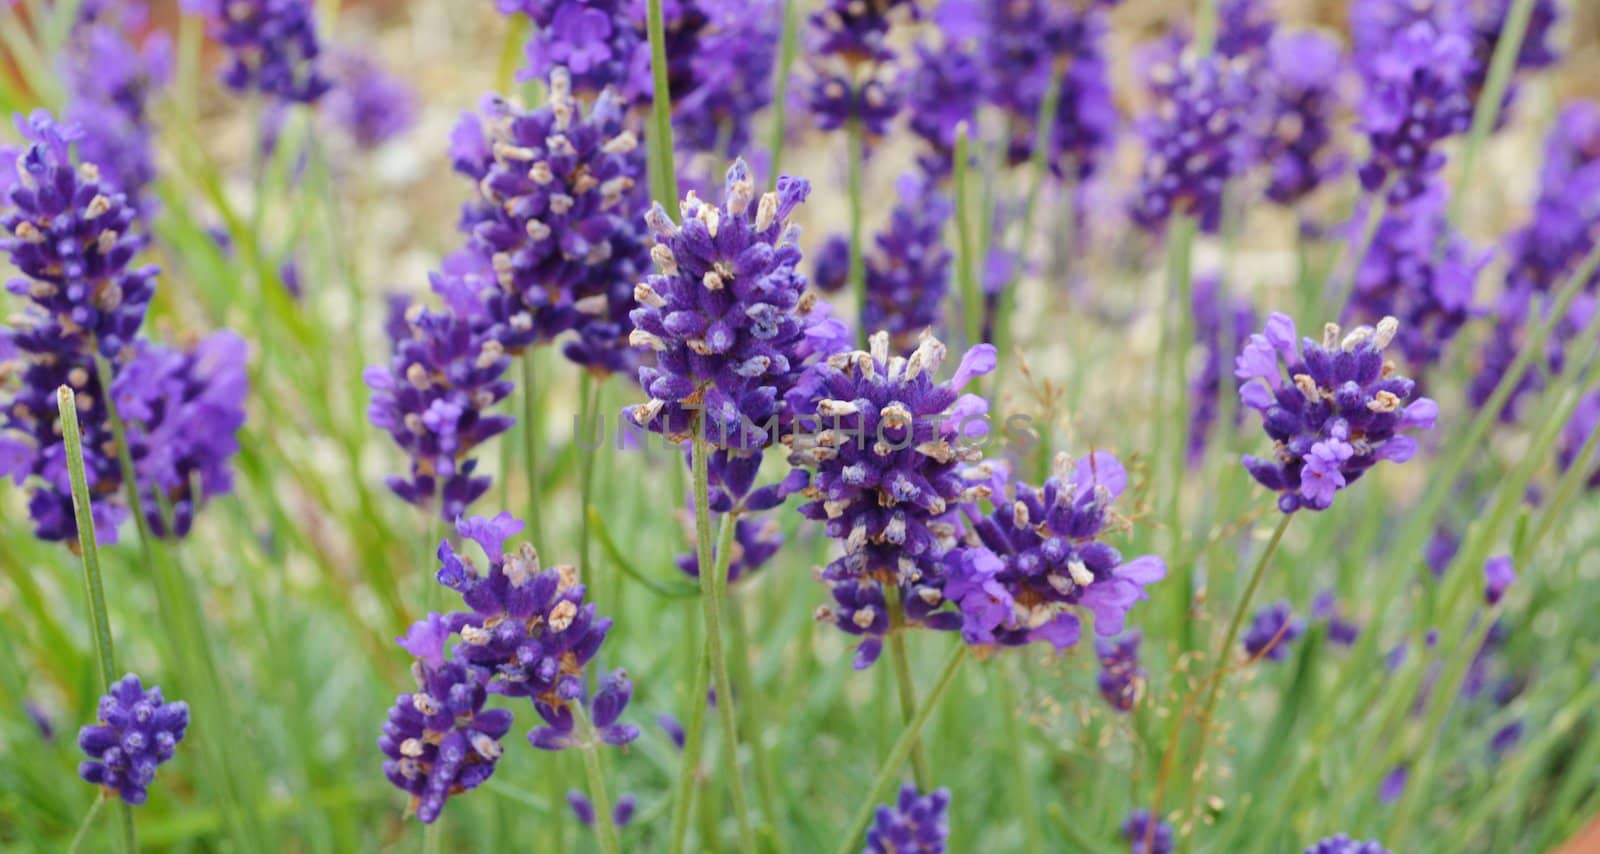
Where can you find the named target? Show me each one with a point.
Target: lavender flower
(1325, 608)
(440, 740)
(725, 316)
(755, 541)
(1341, 409)
(604, 709)
(1579, 428)
(1196, 138)
(1301, 99)
(1416, 97)
(852, 66)
(529, 631)
(1244, 28)
(830, 271)
(1121, 678)
(136, 732)
(1342, 844)
(1394, 784)
(943, 89)
(730, 57)
(908, 274)
(915, 824)
(272, 44)
(595, 40)
(368, 103)
(1221, 326)
(556, 218)
(1044, 558)
(1147, 834)
(1421, 270)
(1271, 631)
(434, 398)
(111, 79)
(583, 809)
(1485, 24)
(1498, 574)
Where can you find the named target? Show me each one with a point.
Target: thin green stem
(856, 158)
(854, 831)
(905, 688)
(1020, 777)
(693, 745)
(506, 66)
(1487, 112)
(660, 140)
(787, 47)
(752, 716)
(531, 440)
(1205, 27)
(588, 401)
(432, 838)
(87, 823)
(1180, 287)
(966, 277)
(1040, 166)
(605, 829)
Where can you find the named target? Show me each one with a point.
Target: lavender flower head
(727, 75)
(1221, 326)
(1333, 410)
(1045, 559)
(943, 89)
(1196, 138)
(272, 44)
(726, 315)
(529, 631)
(137, 731)
(603, 709)
(595, 40)
(111, 79)
(440, 740)
(1416, 97)
(852, 66)
(1271, 631)
(1342, 844)
(1121, 678)
(556, 217)
(887, 445)
(371, 105)
(1301, 101)
(1147, 834)
(915, 824)
(1421, 270)
(908, 273)
(1498, 575)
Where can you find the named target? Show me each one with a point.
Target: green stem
(854, 137)
(693, 745)
(1180, 287)
(1020, 778)
(661, 108)
(905, 688)
(88, 822)
(605, 830)
(505, 68)
(531, 440)
(432, 838)
(971, 299)
(752, 717)
(588, 401)
(1040, 166)
(787, 45)
(1501, 66)
(854, 831)
(1205, 27)
(89, 551)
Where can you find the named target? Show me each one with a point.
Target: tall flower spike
(272, 44)
(368, 103)
(723, 77)
(914, 824)
(439, 740)
(887, 444)
(112, 78)
(1196, 137)
(1416, 97)
(137, 731)
(598, 41)
(604, 709)
(852, 65)
(1332, 410)
(1044, 560)
(725, 315)
(908, 273)
(1302, 99)
(560, 194)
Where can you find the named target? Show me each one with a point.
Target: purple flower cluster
(1332, 410)
(272, 46)
(111, 79)
(1341, 631)
(1302, 96)
(943, 88)
(1221, 326)
(1421, 270)
(1147, 834)
(888, 483)
(556, 221)
(1416, 97)
(1197, 137)
(136, 731)
(595, 40)
(720, 60)
(908, 273)
(853, 66)
(1485, 22)
(1044, 558)
(1121, 678)
(915, 824)
(1342, 844)
(1271, 631)
(528, 634)
(726, 314)
(583, 809)
(368, 103)
(434, 397)
(74, 236)
(755, 541)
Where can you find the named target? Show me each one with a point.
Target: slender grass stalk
(1205, 29)
(1487, 111)
(788, 43)
(93, 585)
(752, 716)
(605, 829)
(855, 138)
(1219, 674)
(609, 547)
(1021, 778)
(510, 46)
(854, 831)
(82, 833)
(966, 276)
(1345, 284)
(532, 439)
(693, 745)
(905, 688)
(1180, 288)
(432, 838)
(588, 402)
(660, 139)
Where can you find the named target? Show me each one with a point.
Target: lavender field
(792, 426)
